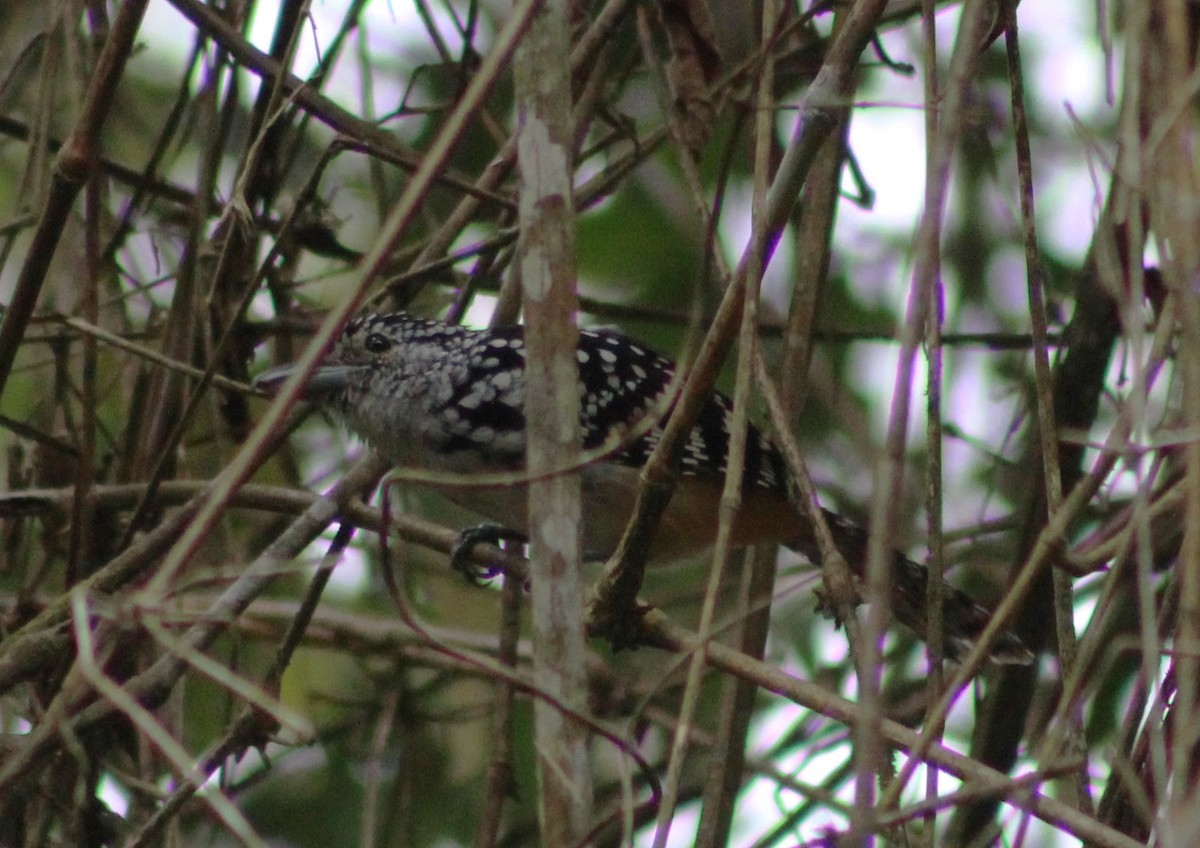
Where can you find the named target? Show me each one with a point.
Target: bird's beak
(326, 380)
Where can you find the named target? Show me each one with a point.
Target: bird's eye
(377, 343)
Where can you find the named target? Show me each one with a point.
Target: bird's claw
(460, 554)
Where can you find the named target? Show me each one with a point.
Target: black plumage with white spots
(424, 386)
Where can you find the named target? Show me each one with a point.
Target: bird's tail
(962, 618)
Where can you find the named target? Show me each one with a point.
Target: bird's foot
(492, 534)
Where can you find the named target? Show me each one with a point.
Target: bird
(449, 399)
